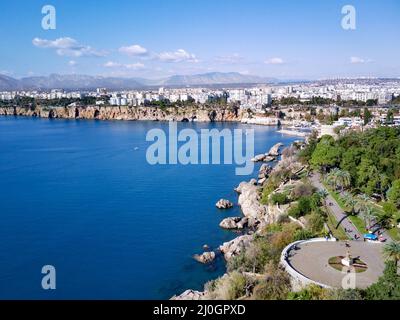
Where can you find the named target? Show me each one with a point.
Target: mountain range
(85, 82)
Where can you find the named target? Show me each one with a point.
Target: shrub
(294, 211)
(388, 285)
(302, 190)
(279, 198)
(350, 294)
(302, 234)
(229, 287)
(315, 223)
(275, 287)
(311, 292)
(301, 208)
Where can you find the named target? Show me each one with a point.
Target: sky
(285, 39)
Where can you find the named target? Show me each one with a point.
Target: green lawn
(394, 234)
(337, 233)
(357, 221)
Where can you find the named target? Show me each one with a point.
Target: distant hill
(8, 83)
(84, 82)
(215, 78)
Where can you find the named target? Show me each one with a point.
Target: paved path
(336, 210)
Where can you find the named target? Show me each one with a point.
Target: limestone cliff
(202, 114)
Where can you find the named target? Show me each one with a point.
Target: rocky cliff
(202, 114)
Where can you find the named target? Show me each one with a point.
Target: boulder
(205, 257)
(190, 295)
(245, 184)
(265, 170)
(242, 223)
(249, 200)
(262, 180)
(274, 151)
(269, 159)
(224, 204)
(230, 223)
(234, 223)
(236, 246)
(259, 158)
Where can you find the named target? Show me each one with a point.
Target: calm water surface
(81, 196)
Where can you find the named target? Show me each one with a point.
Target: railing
(292, 271)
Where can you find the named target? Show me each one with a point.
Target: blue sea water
(80, 195)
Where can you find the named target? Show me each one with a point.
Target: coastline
(255, 217)
(187, 114)
(198, 113)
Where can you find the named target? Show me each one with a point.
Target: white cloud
(134, 50)
(179, 55)
(229, 59)
(68, 47)
(72, 63)
(131, 66)
(358, 60)
(275, 61)
(6, 72)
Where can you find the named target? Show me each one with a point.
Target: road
(337, 211)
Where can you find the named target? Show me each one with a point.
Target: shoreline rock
(234, 223)
(236, 246)
(274, 151)
(224, 204)
(191, 295)
(205, 257)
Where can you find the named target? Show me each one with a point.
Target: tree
(344, 179)
(367, 116)
(394, 193)
(365, 210)
(323, 195)
(326, 155)
(392, 252)
(388, 285)
(339, 178)
(351, 203)
(390, 117)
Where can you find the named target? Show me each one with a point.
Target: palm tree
(365, 209)
(344, 179)
(323, 194)
(350, 202)
(368, 214)
(392, 252)
(339, 178)
(332, 177)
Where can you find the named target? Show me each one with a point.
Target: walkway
(336, 210)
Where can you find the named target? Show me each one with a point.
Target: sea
(81, 196)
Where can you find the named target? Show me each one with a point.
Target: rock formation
(199, 113)
(236, 246)
(205, 257)
(191, 295)
(224, 204)
(274, 151)
(234, 223)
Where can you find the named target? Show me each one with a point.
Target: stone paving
(311, 260)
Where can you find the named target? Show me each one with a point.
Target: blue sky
(287, 39)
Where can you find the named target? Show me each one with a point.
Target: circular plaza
(316, 262)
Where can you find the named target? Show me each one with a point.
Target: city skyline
(285, 41)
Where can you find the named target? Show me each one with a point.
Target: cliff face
(129, 113)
